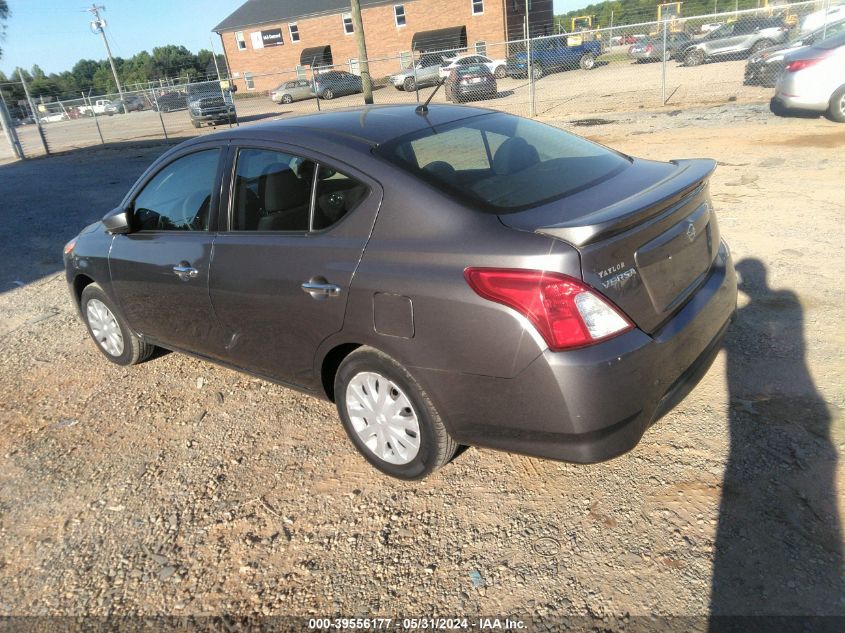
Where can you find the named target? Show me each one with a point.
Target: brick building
(263, 39)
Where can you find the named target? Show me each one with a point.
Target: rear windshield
(501, 163)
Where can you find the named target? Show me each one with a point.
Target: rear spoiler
(618, 217)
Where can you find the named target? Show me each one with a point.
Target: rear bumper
(801, 102)
(592, 404)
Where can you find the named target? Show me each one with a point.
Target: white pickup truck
(99, 107)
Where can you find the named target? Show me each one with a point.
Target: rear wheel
(389, 417)
(328, 94)
(108, 329)
(694, 57)
(287, 99)
(537, 71)
(759, 46)
(587, 62)
(409, 84)
(500, 72)
(836, 109)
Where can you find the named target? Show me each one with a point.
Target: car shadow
(778, 547)
(48, 200)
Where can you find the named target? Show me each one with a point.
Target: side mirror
(118, 221)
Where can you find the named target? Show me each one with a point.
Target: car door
(159, 272)
(291, 236)
(724, 39)
(303, 89)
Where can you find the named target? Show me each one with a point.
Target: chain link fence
(677, 62)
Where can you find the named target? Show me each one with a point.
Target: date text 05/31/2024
(416, 624)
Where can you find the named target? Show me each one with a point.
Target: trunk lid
(647, 236)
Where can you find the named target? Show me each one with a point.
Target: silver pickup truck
(425, 72)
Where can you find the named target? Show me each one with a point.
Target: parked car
(651, 49)
(98, 107)
(499, 67)
(129, 103)
(553, 54)
(52, 117)
(735, 39)
(712, 26)
(425, 72)
(576, 296)
(291, 91)
(209, 102)
(813, 80)
(466, 83)
(170, 101)
(764, 68)
(336, 83)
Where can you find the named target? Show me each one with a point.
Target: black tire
(777, 108)
(759, 46)
(287, 99)
(328, 94)
(436, 447)
(501, 72)
(836, 109)
(135, 350)
(409, 84)
(587, 61)
(693, 57)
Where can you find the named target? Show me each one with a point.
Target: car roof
(368, 125)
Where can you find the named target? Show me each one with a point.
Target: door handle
(319, 290)
(185, 272)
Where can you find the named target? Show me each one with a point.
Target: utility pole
(99, 25)
(530, 64)
(363, 64)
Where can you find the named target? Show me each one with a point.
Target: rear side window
(500, 163)
(178, 198)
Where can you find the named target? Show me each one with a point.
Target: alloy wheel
(104, 327)
(383, 418)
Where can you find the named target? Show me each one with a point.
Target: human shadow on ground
(778, 549)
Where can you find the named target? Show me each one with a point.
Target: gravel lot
(178, 487)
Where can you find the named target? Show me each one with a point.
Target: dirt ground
(178, 487)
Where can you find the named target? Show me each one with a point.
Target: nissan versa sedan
(446, 275)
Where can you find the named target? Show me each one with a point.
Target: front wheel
(536, 71)
(108, 329)
(389, 417)
(409, 84)
(836, 109)
(587, 61)
(694, 57)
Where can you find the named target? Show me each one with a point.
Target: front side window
(500, 163)
(399, 14)
(477, 7)
(272, 191)
(348, 27)
(239, 38)
(178, 198)
(293, 28)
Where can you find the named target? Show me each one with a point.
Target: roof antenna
(422, 109)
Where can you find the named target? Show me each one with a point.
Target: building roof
(255, 12)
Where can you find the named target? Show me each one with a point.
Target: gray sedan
(291, 91)
(446, 275)
(651, 49)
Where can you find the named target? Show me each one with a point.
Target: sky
(55, 34)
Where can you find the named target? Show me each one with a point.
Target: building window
(477, 7)
(250, 83)
(406, 59)
(354, 67)
(257, 41)
(348, 27)
(300, 72)
(294, 32)
(399, 14)
(481, 48)
(239, 38)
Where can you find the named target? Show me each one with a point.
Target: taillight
(70, 246)
(801, 64)
(649, 48)
(566, 313)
